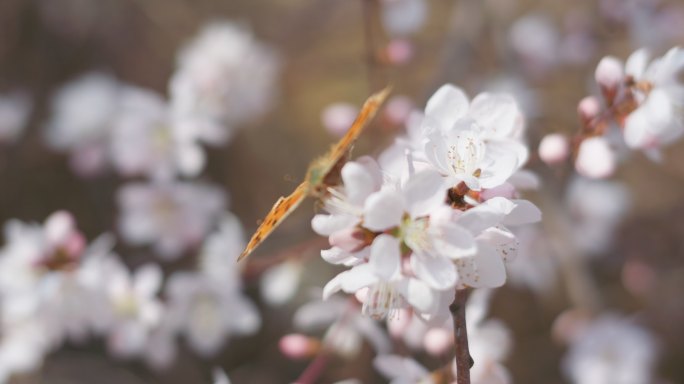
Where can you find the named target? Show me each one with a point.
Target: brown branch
(463, 359)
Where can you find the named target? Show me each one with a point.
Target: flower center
(382, 302)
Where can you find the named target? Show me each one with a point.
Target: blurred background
(315, 61)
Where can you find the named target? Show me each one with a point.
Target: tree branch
(463, 359)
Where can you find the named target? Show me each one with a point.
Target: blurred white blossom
(15, 108)
(611, 350)
(224, 78)
(171, 216)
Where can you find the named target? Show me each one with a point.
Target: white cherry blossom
(171, 216)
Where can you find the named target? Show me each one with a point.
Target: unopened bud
(554, 148)
(609, 76)
(588, 109)
(437, 341)
(297, 346)
(399, 52)
(595, 158)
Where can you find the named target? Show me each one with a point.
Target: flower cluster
(433, 214)
(641, 100)
(224, 79)
(55, 288)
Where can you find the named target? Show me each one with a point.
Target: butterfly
(321, 174)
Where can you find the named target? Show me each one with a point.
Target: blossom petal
(326, 225)
(438, 272)
(358, 277)
(636, 63)
(447, 105)
(524, 212)
(384, 210)
(495, 113)
(424, 192)
(385, 257)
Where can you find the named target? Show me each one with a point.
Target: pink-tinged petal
(326, 225)
(385, 257)
(524, 212)
(438, 272)
(495, 113)
(609, 74)
(424, 192)
(636, 64)
(447, 105)
(384, 210)
(358, 183)
(358, 277)
(59, 226)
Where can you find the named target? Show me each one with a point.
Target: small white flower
(476, 142)
(145, 141)
(15, 108)
(225, 77)
(171, 216)
(207, 311)
(611, 350)
(659, 95)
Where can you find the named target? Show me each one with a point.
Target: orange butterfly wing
(281, 209)
(286, 205)
(336, 153)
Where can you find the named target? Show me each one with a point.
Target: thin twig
(314, 370)
(463, 359)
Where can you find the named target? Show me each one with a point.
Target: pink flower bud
(595, 158)
(297, 346)
(350, 239)
(554, 148)
(437, 341)
(338, 117)
(588, 109)
(74, 244)
(609, 76)
(399, 51)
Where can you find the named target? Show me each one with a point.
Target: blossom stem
(314, 370)
(463, 359)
